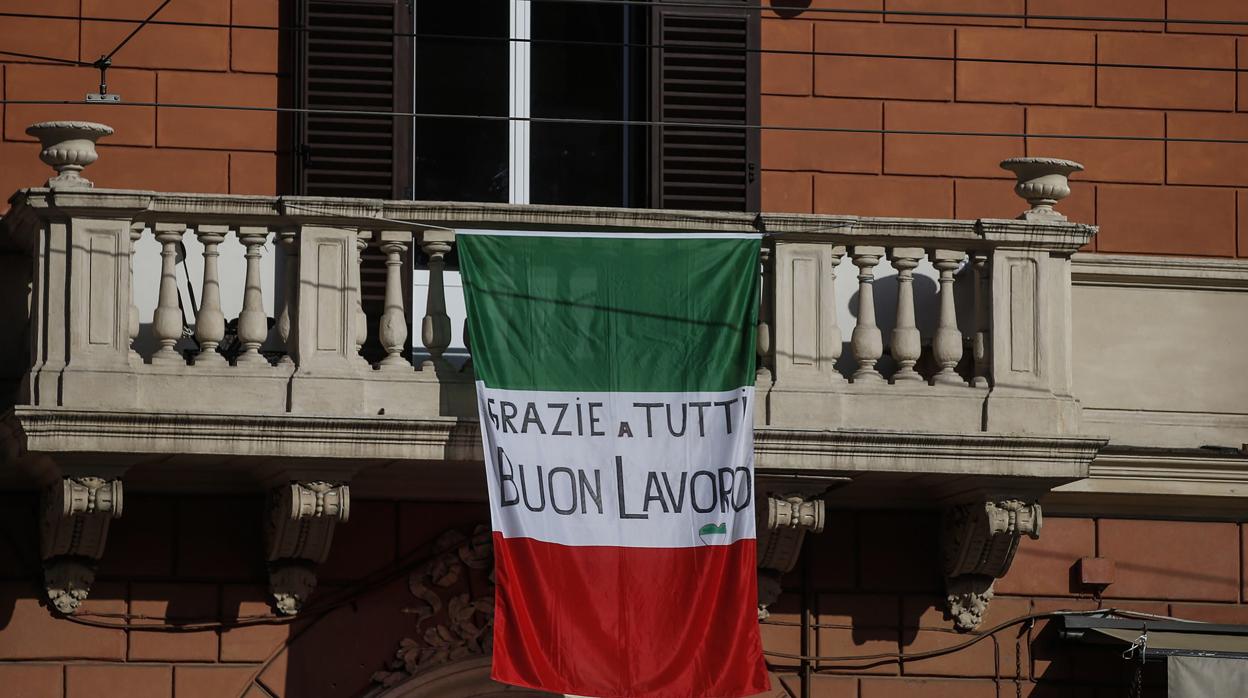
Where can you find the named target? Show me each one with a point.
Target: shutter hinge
(750, 172)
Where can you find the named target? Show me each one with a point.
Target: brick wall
(874, 584)
(154, 148)
(200, 558)
(1152, 197)
(1147, 196)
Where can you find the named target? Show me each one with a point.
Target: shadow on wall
(872, 585)
(789, 9)
(15, 288)
(199, 559)
(926, 294)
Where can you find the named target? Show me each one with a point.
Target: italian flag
(615, 384)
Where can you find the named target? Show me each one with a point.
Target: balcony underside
(440, 458)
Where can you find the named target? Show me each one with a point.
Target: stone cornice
(923, 452)
(58, 430)
(1195, 473)
(285, 211)
(1062, 238)
(53, 430)
(1188, 484)
(1150, 271)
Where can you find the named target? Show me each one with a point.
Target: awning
(1203, 660)
(1166, 636)
(1205, 677)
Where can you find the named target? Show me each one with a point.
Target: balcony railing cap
(428, 216)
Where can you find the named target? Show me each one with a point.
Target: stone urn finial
(1042, 182)
(68, 146)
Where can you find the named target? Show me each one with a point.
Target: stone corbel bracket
(783, 521)
(299, 529)
(75, 514)
(979, 539)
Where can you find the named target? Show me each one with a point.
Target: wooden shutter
(354, 57)
(703, 71)
(351, 59)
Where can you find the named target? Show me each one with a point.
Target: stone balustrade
(907, 361)
(913, 362)
(929, 325)
(984, 345)
(164, 328)
(85, 321)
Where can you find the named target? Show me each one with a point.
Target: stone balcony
(981, 393)
(901, 363)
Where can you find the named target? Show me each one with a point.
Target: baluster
(167, 320)
(361, 320)
(867, 342)
(253, 325)
(983, 317)
(136, 232)
(287, 319)
(947, 345)
(763, 339)
(393, 325)
(210, 322)
(834, 324)
(435, 329)
(906, 345)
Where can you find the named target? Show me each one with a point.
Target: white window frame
(519, 99)
(520, 93)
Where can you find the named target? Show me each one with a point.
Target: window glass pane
(461, 159)
(593, 76)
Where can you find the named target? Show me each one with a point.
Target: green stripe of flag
(597, 313)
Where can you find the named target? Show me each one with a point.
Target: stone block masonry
(874, 587)
(1046, 78)
(168, 149)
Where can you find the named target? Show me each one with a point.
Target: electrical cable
(777, 8)
(711, 126)
(379, 219)
(278, 651)
(781, 8)
(686, 48)
(683, 48)
(316, 608)
(52, 59)
(136, 30)
(923, 654)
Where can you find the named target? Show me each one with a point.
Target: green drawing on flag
(713, 530)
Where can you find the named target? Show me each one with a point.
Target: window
(516, 60)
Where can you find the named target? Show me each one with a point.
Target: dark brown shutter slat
(703, 73)
(353, 58)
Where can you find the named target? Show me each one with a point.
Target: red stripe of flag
(628, 622)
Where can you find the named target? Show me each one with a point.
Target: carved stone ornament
(291, 584)
(73, 530)
(780, 535)
(1042, 182)
(454, 611)
(979, 540)
(68, 146)
(299, 529)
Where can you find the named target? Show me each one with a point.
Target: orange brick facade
(872, 582)
(891, 73)
(873, 586)
(168, 149)
(908, 73)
